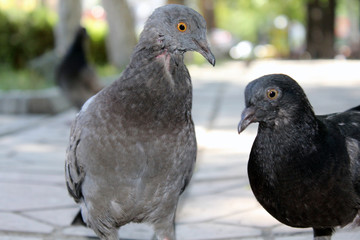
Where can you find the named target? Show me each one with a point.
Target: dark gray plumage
(132, 146)
(75, 77)
(303, 169)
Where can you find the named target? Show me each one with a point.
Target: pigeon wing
(74, 173)
(348, 123)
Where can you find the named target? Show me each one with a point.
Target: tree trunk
(320, 28)
(352, 7)
(207, 10)
(69, 20)
(181, 2)
(121, 38)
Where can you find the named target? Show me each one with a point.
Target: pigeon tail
(78, 220)
(356, 222)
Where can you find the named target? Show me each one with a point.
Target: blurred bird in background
(303, 169)
(76, 78)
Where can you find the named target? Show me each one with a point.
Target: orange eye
(181, 26)
(272, 93)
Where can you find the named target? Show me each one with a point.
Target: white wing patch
(87, 103)
(353, 149)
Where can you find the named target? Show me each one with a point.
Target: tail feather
(356, 222)
(78, 220)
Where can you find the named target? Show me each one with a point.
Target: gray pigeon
(132, 146)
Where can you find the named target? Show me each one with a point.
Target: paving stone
(31, 164)
(340, 234)
(136, 231)
(283, 229)
(257, 217)
(210, 207)
(78, 231)
(19, 238)
(33, 101)
(203, 102)
(218, 186)
(209, 231)
(45, 162)
(131, 231)
(232, 104)
(348, 234)
(15, 223)
(250, 238)
(214, 164)
(230, 141)
(323, 102)
(36, 178)
(23, 196)
(297, 237)
(212, 171)
(57, 217)
(12, 123)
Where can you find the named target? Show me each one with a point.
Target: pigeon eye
(181, 27)
(272, 94)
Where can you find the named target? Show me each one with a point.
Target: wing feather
(74, 173)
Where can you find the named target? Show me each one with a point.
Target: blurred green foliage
(25, 35)
(253, 20)
(97, 31)
(21, 79)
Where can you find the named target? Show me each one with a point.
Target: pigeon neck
(293, 135)
(161, 89)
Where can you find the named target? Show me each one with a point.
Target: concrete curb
(46, 101)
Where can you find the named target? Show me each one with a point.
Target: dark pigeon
(75, 77)
(132, 146)
(303, 169)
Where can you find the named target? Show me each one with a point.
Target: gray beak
(204, 49)
(247, 117)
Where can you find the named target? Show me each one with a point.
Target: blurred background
(35, 34)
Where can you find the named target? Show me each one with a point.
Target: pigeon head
(177, 29)
(274, 100)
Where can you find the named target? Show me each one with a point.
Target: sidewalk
(218, 204)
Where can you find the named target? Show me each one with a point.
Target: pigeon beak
(247, 117)
(204, 49)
